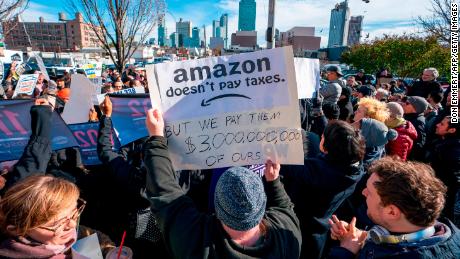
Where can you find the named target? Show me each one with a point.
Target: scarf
(394, 123)
(25, 247)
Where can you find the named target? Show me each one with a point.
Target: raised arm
(37, 153)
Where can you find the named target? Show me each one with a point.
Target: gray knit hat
(240, 199)
(396, 110)
(420, 104)
(376, 133)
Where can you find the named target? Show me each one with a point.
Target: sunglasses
(60, 227)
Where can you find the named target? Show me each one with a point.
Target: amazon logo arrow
(208, 102)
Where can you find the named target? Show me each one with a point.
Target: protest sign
(231, 110)
(97, 82)
(86, 135)
(90, 70)
(41, 65)
(135, 90)
(26, 84)
(15, 129)
(81, 92)
(307, 76)
(87, 248)
(128, 116)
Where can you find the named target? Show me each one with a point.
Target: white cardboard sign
(41, 65)
(230, 110)
(307, 76)
(81, 92)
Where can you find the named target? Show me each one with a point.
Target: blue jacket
(317, 189)
(445, 244)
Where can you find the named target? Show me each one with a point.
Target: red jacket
(402, 145)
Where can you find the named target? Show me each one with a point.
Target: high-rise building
(63, 36)
(184, 31)
(162, 32)
(173, 40)
(247, 15)
(215, 27)
(195, 41)
(354, 30)
(224, 28)
(338, 27)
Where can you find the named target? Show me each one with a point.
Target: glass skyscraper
(338, 27)
(162, 33)
(247, 15)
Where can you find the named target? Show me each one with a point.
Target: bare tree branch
(11, 8)
(438, 24)
(120, 24)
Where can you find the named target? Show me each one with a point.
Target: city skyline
(308, 13)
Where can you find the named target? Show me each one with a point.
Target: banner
(230, 110)
(128, 116)
(307, 76)
(99, 98)
(15, 129)
(86, 135)
(81, 93)
(26, 85)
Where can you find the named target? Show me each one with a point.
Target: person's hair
(410, 186)
(433, 70)
(35, 201)
(375, 109)
(384, 93)
(344, 144)
(106, 89)
(436, 97)
(455, 126)
(350, 77)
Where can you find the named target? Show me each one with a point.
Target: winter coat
(418, 120)
(402, 145)
(190, 234)
(424, 88)
(445, 244)
(445, 161)
(37, 153)
(331, 92)
(317, 189)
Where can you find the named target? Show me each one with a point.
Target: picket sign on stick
(230, 110)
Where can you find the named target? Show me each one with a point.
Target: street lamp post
(271, 24)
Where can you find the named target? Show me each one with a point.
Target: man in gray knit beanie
(240, 199)
(253, 219)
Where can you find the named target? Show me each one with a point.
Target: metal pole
(205, 44)
(271, 24)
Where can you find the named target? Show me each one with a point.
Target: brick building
(63, 36)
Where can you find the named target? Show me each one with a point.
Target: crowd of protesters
(381, 178)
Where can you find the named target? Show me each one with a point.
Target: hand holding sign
(106, 106)
(155, 123)
(272, 170)
(41, 102)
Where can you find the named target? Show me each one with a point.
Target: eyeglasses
(59, 228)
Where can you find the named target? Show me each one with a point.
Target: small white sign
(307, 76)
(26, 84)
